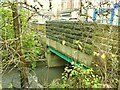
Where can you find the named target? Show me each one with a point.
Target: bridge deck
(66, 58)
(72, 53)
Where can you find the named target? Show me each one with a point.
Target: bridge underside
(55, 58)
(58, 54)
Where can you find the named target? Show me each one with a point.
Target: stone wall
(84, 37)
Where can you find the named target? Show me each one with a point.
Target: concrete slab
(75, 54)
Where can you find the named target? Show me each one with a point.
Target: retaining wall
(79, 40)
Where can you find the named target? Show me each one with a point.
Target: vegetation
(21, 44)
(103, 74)
(77, 77)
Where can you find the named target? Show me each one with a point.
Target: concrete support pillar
(54, 60)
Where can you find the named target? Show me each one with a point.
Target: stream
(41, 74)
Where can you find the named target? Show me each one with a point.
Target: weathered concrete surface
(68, 51)
(54, 60)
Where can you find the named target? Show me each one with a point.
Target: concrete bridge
(76, 42)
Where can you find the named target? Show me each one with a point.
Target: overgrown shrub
(77, 77)
(30, 40)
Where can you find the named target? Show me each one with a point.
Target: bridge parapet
(79, 40)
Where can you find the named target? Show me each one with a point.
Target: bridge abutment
(53, 60)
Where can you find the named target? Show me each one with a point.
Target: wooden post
(50, 5)
(80, 7)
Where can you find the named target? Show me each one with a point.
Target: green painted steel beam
(66, 58)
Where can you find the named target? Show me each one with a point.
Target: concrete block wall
(92, 37)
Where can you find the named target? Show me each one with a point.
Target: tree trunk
(23, 64)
